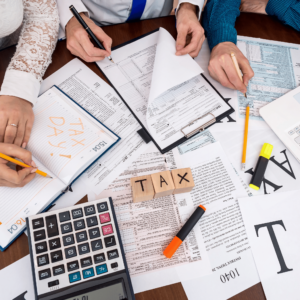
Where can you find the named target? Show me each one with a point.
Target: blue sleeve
(287, 11)
(219, 20)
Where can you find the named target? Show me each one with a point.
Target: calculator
(77, 254)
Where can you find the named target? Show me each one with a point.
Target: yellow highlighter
(261, 166)
(19, 163)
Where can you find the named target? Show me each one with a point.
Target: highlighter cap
(266, 150)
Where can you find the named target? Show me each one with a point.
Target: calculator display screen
(112, 292)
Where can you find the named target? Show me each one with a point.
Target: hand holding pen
(79, 41)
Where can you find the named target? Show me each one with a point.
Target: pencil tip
(49, 177)
(245, 95)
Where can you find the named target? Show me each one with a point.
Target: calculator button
(99, 258)
(79, 224)
(53, 283)
(102, 207)
(94, 233)
(44, 274)
(65, 228)
(74, 277)
(88, 273)
(92, 221)
(89, 210)
(72, 266)
(56, 256)
(110, 241)
(84, 248)
(104, 218)
(70, 252)
(112, 254)
(68, 240)
(54, 244)
(114, 265)
(107, 229)
(77, 213)
(58, 270)
(43, 260)
(64, 216)
(96, 245)
(41, 247)
(37, 223)
(85, 262)
(39, 235)
(51, 224)
(81, 236)
(101, 269)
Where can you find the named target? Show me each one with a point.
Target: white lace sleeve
(34, 50)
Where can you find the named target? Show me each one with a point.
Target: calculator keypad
(74, 245)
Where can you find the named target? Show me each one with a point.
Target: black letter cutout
(141, 181)
(183, 177)
(162, 180)
(266, 181)
(280, 165)
(275, 243)
(20, 297)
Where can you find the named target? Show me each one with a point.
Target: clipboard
(188, 130)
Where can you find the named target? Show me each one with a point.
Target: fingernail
(24, 145)
(33, 164)
(33, 170)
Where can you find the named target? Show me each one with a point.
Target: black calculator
(77, 254)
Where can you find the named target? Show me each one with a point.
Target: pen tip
(245, 95)
(112, 61)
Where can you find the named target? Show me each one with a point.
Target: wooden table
(252, 25)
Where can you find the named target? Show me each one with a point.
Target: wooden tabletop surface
(252, 25)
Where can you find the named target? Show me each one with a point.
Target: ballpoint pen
(88, 30)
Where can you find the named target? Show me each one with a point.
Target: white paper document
(276, 67)
(273, 225)
(147, 227)
(166, 92)
(16, 281)
(99, 99)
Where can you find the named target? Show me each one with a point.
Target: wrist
(188, 7)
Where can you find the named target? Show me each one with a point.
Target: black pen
(89, 31)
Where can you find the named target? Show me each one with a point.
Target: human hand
(188, 24)
(10, 177)
(14, 110)
(222, 69)
(254, 6)
(79, 44)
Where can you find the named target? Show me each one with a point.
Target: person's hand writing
(254, 6)
(222, 69)
(17, 111)
(10, 177)
(188, 24)
(79, 44)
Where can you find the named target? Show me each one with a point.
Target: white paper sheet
(273, 225)
(147, 227)
(98, 98)
(16, 281)
(165, 91)
(276, 68)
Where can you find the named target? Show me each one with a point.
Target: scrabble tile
(163, 184)
(183, 180)
(142, 188)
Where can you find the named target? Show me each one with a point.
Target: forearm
(219, 18)
(287, 11)
(34, 50)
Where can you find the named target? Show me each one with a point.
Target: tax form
(276, 67)
(166, 92)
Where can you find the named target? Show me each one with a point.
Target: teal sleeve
(219, 18)
(287, 11)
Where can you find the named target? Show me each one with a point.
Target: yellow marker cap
(254, 187)
(266, 150)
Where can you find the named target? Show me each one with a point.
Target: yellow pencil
(236, 65)
(17, 162)
(245, 138)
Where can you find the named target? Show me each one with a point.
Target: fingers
(20, 133)
(11, 131)
(181, 38)
(218, 73)
(89, 48)
(18, 152)
(3, 123)
(246, 70)
(193, 46)
(196, 52)
(104, 38)
(28, 127)
(14, 178)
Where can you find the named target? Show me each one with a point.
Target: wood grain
(252, 25)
